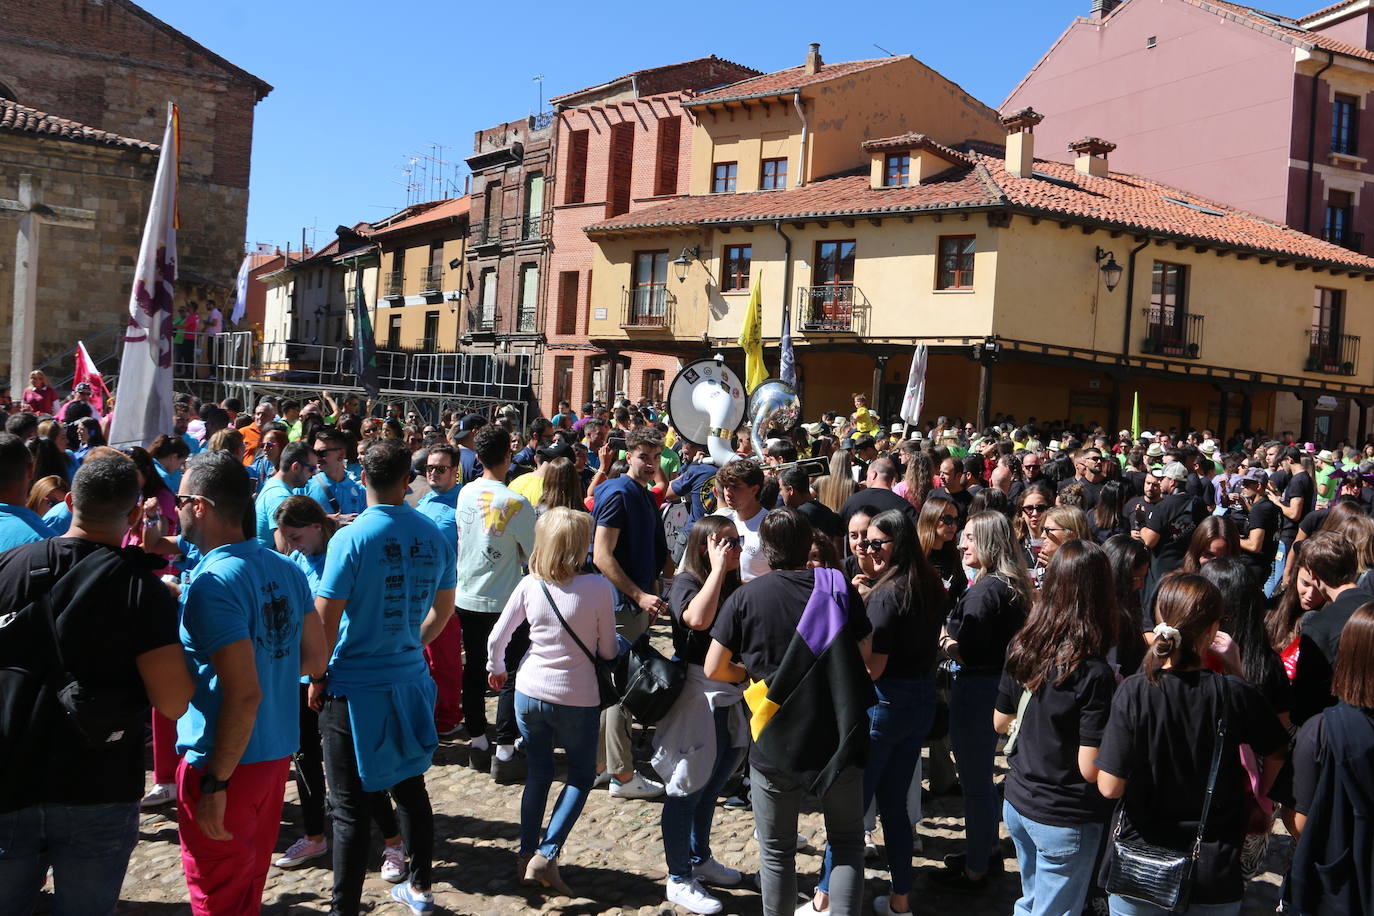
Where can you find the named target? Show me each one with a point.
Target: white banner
(241, 290)
(915, 398)
(143, 401)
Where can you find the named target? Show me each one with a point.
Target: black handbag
(648, 683)
(1158, 875)
(605, 682)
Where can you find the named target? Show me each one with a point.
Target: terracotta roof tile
(22, 119)
(915, 141)
(1117, 201)
(1280, 27)
(554, 100)
(437, 211)
(1325, 10)
(787, 80)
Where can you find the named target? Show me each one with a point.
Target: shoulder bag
(1158, 875)
(648, 683)
(605, 685)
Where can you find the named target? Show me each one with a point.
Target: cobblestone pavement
(613, 860)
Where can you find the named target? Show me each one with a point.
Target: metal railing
(532, 226)
(527, 321)
(432, 278)
(831, 308)
(1331, 353)
(646, 307)
(1179, 335)
(485, 232)
(481, 321)
(395, 283)
(1345, 238)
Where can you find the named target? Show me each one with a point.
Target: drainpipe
(801, 166)
(1130, 302)
(786, 264)
(1312, 143)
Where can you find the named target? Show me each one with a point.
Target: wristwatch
(210, 785)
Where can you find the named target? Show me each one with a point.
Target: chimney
(1091, 156)
(1103, 8)
(813, 58)
(1020, 127)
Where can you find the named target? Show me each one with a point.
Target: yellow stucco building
(1044, 290)
(421, 252)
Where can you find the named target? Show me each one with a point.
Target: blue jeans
(88, 847)
(897, 728)
(1276, 574)
(1120, 906)
(686, 820)
(1057, 863)
(974, 742)
(544, 726)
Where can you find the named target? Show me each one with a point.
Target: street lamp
(1111, 271)
(683, 262)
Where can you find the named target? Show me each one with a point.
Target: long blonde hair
(562, 537)
(998, 554)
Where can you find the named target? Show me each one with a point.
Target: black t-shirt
(1202, 488)
(983, 622)
(1160, 738)
(1134, 482)
(1091, 491)
(758, 621)
(1137, 509)
(1321, 638)
(1045, 783)
(822, 519)
(962, 500)
(879, 501)
(1299, 486)
(1312, 521)
(1266, 516)
(949, 566)
(1309, 756)
(907, 634)
(688, 644)
(1174, 517)
(130, 613)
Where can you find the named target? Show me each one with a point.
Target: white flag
(915, 398)
(143, 400)
(241, 290)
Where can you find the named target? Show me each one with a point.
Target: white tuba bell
(706, 404)
(774, 403)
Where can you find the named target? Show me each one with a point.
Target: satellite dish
(704, 397)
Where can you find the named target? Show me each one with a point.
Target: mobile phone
(617, 444)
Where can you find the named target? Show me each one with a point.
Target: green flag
(1135, 416)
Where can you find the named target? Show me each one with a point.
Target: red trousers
(445, 657)
(165, 756)
(226, 877)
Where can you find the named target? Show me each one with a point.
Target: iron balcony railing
(647, 307)
(526, 321)
(395, 283)
(831, 308)
(1179, 336)
(532, 226)
(481, 321)
(485, 232)
(432, 278)
(1345, 238)
(1331, 353)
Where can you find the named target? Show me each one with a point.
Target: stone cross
(32, 215)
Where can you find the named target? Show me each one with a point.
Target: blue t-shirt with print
(273, 494)
(21, 525)
(642, 547)
(696, 484)
(244, 591)
(349, 495)
(442, 510)
(387, 565)
(58, 519)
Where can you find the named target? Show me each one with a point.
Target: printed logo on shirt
(278, 631)
(706, 495)
(495, 517)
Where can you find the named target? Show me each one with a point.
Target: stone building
(108, 65)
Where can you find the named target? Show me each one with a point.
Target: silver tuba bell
(773, 403)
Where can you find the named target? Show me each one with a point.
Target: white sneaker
(713, 873)
(394, 868)
(160, 794)
(636, 787)
(300, 852)
(691, 896)
(809, 909)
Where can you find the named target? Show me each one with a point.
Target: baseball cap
(470, 422)
(1175, 470)
(1157, 470)
(1257, 476)
(558, 448)
(83, 387)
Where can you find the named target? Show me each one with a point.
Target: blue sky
(361, 87)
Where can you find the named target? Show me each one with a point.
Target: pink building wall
(1353, 31)
(1210, 108)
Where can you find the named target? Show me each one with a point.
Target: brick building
(111, 66)
(621, 146)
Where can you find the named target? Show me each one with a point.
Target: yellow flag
(751, 339)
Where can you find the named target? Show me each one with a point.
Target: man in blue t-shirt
(696, 484)
(339, 495)
(249, 636)
(298, 464)
(631, 551)
(387, 591)
(18, 523)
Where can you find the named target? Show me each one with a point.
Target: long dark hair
(152, 480)
(1107, 512)
(910, 572)
(1126, 554)
(695, 560)
(1190, 604)
(1211, 528)
(1072, 618)
(1244, 618)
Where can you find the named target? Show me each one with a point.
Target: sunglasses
(1034, 510)
(183, 499)
(948, 519)
(874, 544)
(732, 543)
(438, 468)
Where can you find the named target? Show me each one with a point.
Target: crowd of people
(326, 590)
